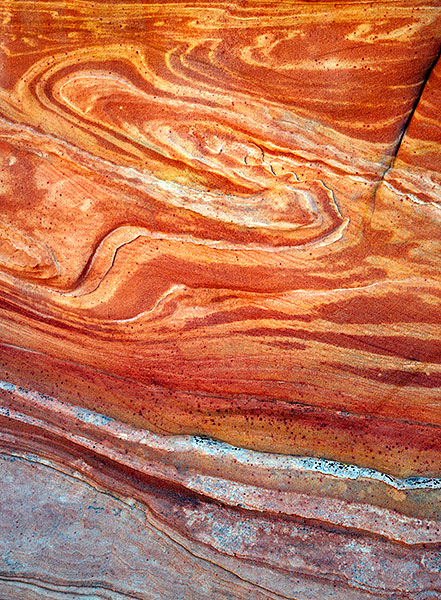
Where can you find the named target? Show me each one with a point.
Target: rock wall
(220, 300)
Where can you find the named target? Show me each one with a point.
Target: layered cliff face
(220, 300)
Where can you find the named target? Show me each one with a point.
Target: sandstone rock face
(220, 300)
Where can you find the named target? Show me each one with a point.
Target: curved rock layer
(220, 299)
(177, 516)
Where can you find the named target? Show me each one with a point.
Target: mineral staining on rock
(220, 297)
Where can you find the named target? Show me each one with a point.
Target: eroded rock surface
(220, 300)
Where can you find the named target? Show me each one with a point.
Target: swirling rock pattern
(220, 300)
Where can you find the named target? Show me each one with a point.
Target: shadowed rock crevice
(412, 112)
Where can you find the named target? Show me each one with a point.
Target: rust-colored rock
(220, 299)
